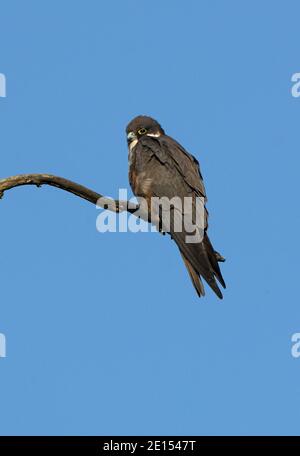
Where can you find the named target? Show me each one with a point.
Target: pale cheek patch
(133, 144)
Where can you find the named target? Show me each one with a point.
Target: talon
(219, 257)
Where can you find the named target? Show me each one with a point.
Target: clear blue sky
(105, 334)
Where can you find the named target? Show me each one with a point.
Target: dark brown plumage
(160, 167)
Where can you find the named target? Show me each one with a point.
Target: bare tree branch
(67, 185)
(78, 190)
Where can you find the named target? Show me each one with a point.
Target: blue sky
(105, 334)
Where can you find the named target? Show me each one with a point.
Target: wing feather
(172, 171)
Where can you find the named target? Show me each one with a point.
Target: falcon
(160, 167)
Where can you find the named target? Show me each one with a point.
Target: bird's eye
(142, 131)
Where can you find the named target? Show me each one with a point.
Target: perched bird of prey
(160, 167)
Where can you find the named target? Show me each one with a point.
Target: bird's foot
(219, 257)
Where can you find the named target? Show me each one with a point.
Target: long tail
(195, 278)
(201, 260)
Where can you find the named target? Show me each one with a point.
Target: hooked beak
(131, 136)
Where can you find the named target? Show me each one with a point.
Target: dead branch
(67, 185)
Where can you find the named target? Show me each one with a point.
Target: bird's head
(142, 126)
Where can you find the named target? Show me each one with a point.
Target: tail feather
(201, 261)
(197, 282)
(213, 260)
(199, 257)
